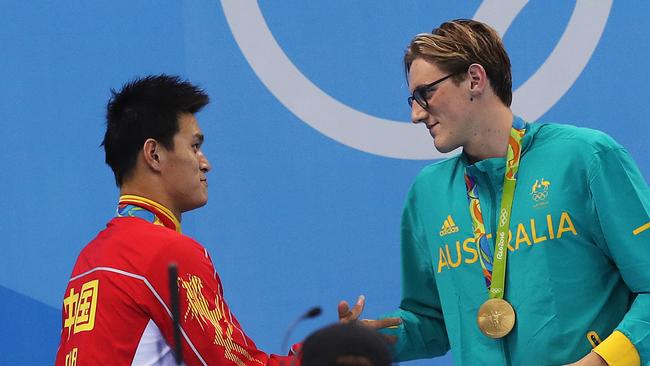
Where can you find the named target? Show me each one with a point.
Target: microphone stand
(175, 309)
(311, 313)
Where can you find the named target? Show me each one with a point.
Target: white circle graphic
(396, 139)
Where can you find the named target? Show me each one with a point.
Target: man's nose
(204, 164)
(418, 114)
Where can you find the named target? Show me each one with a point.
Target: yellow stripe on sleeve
(618, 350)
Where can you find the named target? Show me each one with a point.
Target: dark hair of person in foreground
(345, 345)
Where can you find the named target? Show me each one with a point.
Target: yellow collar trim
(163, 210)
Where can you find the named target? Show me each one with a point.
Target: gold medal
(496, 317)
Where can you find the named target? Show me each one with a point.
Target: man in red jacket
(116, 308)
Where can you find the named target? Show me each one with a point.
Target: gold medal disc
(496, 317)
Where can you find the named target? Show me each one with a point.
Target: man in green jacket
(565, 208)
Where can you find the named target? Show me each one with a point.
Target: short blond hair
(457, 44)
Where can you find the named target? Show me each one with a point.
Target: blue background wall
(295, 218)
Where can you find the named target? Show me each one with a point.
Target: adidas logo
(449, 227)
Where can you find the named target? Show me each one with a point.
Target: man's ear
(478, 80)
(152, 152)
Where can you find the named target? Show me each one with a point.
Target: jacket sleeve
(422, 333)
(211, 333)
(621, 199)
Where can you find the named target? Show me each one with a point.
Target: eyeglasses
(420, 93)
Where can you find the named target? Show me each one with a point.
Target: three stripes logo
(449, 227)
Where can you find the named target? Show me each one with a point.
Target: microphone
(311, 313)
(175, 309)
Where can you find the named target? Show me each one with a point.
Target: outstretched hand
(349, 315)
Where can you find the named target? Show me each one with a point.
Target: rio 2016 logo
(395, 139)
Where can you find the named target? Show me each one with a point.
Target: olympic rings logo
(539, 196)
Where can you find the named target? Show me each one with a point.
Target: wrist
(596, 359)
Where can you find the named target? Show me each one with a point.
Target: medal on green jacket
(496, 317)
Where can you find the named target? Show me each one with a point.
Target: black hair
(345, 345)
(147, 107)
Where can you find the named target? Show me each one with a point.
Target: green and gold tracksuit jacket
(578, 266)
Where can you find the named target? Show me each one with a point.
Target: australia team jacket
(578, 264)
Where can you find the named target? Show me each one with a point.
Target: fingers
(343, 309)
(382, 323)
(388, 323)
(358, 307)
(346, 314)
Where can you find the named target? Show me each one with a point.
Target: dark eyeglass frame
(420, 93)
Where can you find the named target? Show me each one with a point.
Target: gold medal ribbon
(494, 263)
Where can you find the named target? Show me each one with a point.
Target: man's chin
(442, 147)
(202, 203)
(197, 204)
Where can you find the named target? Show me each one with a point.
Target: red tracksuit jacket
(116, 308)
